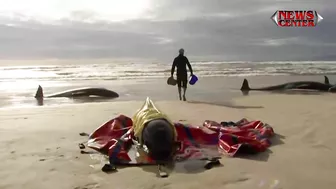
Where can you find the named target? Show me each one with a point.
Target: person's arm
(189, 66)
(173, 67)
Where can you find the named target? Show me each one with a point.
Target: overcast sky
(156, 29)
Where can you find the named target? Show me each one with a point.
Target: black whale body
(81, 92)
(303, 85)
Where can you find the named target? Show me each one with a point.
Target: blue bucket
(193, 79)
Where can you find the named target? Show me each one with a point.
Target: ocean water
(137, 80)
(125, 71)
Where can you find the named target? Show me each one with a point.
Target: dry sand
(39, 146)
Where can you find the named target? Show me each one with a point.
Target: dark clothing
(182, 81)
(181, 62)
(158, 136)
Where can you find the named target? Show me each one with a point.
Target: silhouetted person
(181, 62)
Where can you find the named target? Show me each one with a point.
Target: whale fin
(39, 92)
(326, 80)
(245, 86)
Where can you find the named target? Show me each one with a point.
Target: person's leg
(179, 85)
(184, 86)
(179, 91)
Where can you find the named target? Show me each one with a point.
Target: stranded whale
(307, 85)
(81, 92)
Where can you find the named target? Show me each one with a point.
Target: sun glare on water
(12, 80)
(112, 10)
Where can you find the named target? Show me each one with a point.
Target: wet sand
(39, 145)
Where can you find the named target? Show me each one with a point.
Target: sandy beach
(69, 67)
(39, 145)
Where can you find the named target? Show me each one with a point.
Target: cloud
(280, 42)
(212, 29)
(51, 10)
(163, 40)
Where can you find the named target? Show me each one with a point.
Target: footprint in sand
(321, 146)
(234, 181)
(273, 185)
(309, 135)
(88, 186)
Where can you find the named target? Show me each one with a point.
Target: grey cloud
(213, 29)
(72, 42)
(196, 8)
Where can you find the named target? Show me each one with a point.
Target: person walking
(181, 62)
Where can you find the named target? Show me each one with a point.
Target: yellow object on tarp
(146, 113)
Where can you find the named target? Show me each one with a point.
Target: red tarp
(115, 136)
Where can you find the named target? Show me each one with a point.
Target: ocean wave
(121, 71)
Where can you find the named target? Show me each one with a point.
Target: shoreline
(209, 89)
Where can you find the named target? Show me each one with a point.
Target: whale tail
(39, 92)
(326, 80)
(245, 86)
